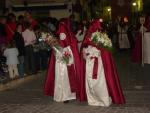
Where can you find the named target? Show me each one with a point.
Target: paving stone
(27, 96)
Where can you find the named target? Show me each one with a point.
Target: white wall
(60, 13)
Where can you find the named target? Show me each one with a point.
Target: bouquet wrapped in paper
(64, 55)
(50, 40)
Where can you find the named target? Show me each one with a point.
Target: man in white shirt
(29, 39)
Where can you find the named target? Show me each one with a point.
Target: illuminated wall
(59, 13)
(44, 8)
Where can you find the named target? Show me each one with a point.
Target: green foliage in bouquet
(95, 39)
(66, 57)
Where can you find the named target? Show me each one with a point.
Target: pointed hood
(63, 33)
(94, 26)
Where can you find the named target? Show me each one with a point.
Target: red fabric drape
(95, 68)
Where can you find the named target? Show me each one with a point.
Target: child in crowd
(11, 54)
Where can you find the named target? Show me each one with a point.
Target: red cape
(74, 84)
(10, 29)
(111, 75)
(136, 55)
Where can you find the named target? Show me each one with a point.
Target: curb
(15, 83)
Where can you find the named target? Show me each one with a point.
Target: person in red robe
(10, 27)
(108, 66)
(136, 55)
(66, 89)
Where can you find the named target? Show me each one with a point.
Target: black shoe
(67, 101)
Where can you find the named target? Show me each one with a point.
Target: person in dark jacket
(3, 33)
(19, 41)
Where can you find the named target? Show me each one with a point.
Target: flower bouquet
(101, 40)
(64, 55)
(67, 56)
(50, 40)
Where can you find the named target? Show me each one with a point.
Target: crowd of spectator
(21, 51)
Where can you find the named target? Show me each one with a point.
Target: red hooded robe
(136, 55)
(111, 75)
(73, 70)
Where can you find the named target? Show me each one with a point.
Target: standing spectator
(36, 48)
(6, 11)
(21, 21)
(29, 18)
(123, 37)
(29, 38)
(19, 41)
(51, 24)
(11, 54)
(10, 26)
(73, 24)
(3, 33)
(40, 51)
(131, 34)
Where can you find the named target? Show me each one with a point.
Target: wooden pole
(142, 21)
(142, 45)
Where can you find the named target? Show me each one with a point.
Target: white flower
(62, 36)
(101, 38)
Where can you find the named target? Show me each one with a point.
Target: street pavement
(26, 96)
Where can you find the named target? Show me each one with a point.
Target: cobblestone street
(27, 96)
